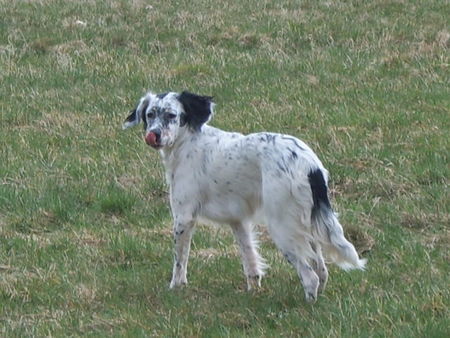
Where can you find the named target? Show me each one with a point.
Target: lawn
(85, 228)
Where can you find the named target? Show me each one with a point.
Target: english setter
(230, 178)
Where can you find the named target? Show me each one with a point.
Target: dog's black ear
(136, 115)
(198, 109)
(131, 120)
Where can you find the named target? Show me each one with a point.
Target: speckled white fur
(229, 178)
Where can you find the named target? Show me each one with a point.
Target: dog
(243, 180)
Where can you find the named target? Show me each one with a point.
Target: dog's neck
(172, 155)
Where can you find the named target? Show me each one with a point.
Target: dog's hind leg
(308, 277)
(295, 246)
(319, 267)
(182, 233)
(252, 262)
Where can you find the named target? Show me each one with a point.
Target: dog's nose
(153, 137)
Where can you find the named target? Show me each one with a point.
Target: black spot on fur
(197, 109)
(269, 138)
(293, 140)
(319, 190)
(284, 167)
(281, 167)
(293, 155)
(161, 96)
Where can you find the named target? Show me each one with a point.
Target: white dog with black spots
(241, 180)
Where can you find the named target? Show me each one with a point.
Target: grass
(85, 229)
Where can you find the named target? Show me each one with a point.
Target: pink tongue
(150, 139)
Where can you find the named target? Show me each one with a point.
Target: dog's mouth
(153, 140)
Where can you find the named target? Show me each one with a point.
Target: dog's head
(166, 115)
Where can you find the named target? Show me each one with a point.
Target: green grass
(85, 229)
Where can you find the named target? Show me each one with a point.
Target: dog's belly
(231, 211)
(232, 197)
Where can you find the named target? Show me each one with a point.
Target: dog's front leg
(182, 233)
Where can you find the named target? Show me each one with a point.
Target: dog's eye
(151, 115)
(171, 116)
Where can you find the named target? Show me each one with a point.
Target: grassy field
(85, 229)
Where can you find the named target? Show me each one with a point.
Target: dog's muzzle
(153, 138)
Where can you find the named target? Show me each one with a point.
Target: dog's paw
(311, 297)
(174, 284)
(253, 282)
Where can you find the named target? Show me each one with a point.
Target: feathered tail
(327, 228)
